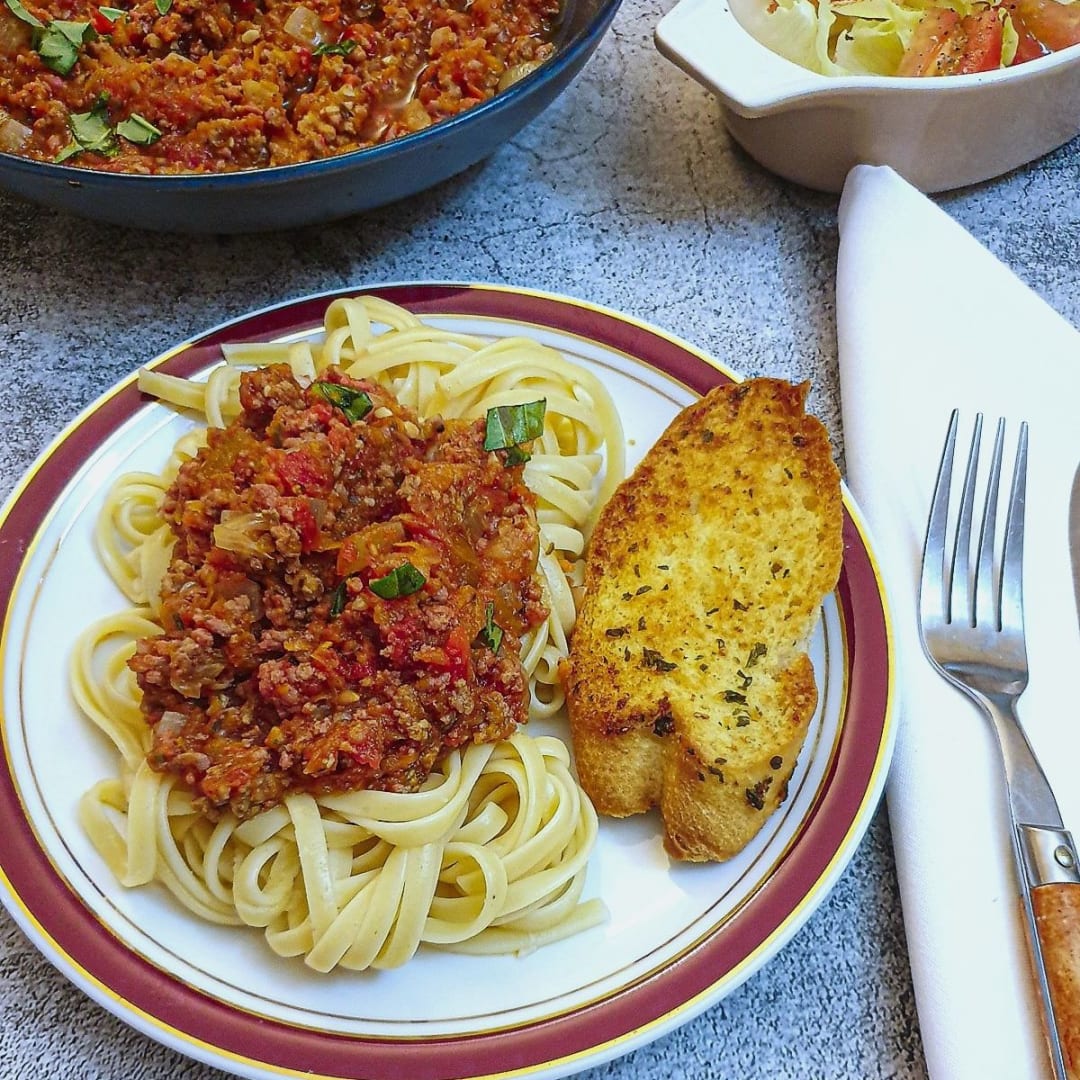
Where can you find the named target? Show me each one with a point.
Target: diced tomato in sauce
(301, 473)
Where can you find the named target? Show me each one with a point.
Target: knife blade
(1074, 537)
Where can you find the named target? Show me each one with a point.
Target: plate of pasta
(288, 596)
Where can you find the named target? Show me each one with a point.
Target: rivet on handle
(1049, 855)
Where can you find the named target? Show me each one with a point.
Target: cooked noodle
(489, 856)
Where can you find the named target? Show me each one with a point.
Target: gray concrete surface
(629, 193)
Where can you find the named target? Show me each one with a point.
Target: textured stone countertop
(628, 193)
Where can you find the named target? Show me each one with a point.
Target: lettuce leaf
(797, 30)
(853, 37)
(1010, 39)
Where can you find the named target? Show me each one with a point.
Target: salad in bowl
(914, 37)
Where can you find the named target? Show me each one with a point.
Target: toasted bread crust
(687, 684)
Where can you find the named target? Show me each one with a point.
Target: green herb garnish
(58, 44)
(650, 658)
(20, 12)
(516, 456)
(355, 404)
(163, 6)
(137, 129)
(338, 599)
(757, 651)
(112, 13)
(90, 131)
(492, 633)
(403, 580)
(511, 425)
(334, 48)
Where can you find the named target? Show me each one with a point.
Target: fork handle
(1056, 910)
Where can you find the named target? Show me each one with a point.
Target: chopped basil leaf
(90, 131)
(112, 13)
(334, 48)
(512, 425)
(516, 456)
(163, 6)
(20, 12)
(58, 44)
(338, 598)
(355, 404)
(492, 633)
(138, 130)
(403, 580)
(75, 32)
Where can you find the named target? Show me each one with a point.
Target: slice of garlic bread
(688, 684)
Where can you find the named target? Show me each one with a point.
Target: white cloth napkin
(929, 320)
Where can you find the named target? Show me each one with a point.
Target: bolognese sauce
(344, 599)
(195, 86)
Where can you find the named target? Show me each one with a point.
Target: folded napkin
(928, 320)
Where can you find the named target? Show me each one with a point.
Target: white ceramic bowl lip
(707, 40)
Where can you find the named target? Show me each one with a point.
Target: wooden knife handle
(1057, 923)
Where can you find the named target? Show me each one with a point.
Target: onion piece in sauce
(14, 33)
(13, 135)
(305, 26)
(516, 73)
(171, 723)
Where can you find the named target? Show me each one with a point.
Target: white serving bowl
(938, 132)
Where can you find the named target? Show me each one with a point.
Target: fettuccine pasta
(490, 854)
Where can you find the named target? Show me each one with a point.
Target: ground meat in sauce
(279, 668)
(230, 88)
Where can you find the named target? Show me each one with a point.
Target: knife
(1074, 537)
(1055, 899)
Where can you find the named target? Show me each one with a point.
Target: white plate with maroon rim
(678, 937)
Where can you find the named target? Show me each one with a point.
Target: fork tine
(932, 588)
(986, 609)
(961, 604)
(1012, 561)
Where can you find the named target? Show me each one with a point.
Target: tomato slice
(1028, 46)
(982, 49)
(946, 44)
(930, 39)
(1054, 25)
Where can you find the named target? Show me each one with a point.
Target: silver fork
(972, 629)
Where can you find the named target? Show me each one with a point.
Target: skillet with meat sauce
(183, 86)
